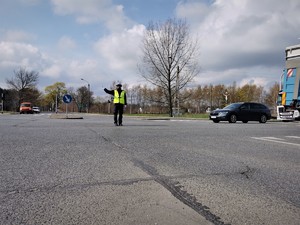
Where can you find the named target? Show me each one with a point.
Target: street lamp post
(176, 95)
(177, 89)
(56, 99)
(89, 94)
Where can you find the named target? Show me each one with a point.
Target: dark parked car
(242, 111)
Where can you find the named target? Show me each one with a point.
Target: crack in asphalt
(247, 172)
(122, 182)
(75, 186)
(175, 188)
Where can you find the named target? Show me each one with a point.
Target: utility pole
(176, 98)
(177, 90)
(2, 106)
(211, 90)
(56, 99)
(89, 94)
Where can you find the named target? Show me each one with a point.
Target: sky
(240, 41)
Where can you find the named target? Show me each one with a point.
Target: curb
(64, 116)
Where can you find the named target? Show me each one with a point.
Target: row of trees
(169, 64)
(201, 98)
(141, 98)
(23, 88)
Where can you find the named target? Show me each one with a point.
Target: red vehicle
(26, 107)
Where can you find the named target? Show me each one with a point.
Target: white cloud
(122, 50)
(245, 36)
(53, 71)
(72, 70)
(93, 11)
(18, 36)
(87, 68)
(19, 54)
(14, 55)
(66, 43)
(256, 75)
(196, 11)
(260, 81)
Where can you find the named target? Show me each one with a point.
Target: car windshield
(25, 105)
(233, 106)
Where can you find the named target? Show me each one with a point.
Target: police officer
(120, 102)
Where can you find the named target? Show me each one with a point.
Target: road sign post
(67, 99)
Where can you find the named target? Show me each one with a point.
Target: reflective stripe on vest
(119, 98)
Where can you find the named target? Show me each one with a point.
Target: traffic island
(65, 116)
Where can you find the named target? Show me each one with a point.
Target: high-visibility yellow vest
(119, 98)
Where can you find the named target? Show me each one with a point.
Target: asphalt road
(87, 171)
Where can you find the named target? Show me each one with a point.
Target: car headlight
(222, 114)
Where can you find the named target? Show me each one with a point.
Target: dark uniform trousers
(119, 108)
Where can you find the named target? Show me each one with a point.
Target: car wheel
(216, 121)
(263, 119)
(245, 121)
(232, 118)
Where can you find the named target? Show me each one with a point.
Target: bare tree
(23, 83)
(83, 98)
(169, 58)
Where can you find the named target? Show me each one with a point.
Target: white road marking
(293, 137)
(275, 140)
